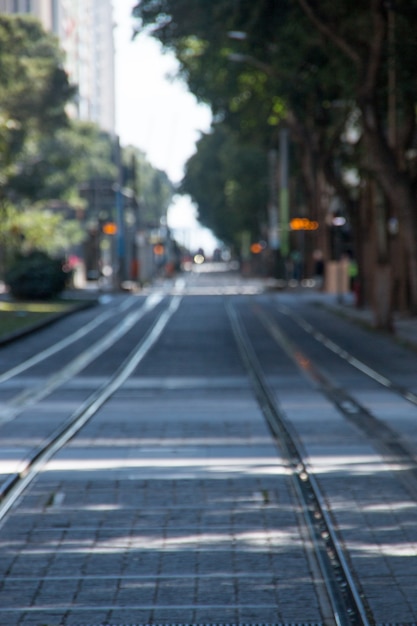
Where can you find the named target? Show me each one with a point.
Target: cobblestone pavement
(166, 509)
(173, 506)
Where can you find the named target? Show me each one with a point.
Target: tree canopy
(342, 80)
(34, 91)
(152, 187)
(52, 165)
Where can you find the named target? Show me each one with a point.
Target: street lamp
(283, 190)
(121, 259)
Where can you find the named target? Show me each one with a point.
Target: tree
(378, 42)
(53, 167)
(34, 92)
(151, 186)
(280, 77)
(228, 182)
(40, 229)
(361, 60)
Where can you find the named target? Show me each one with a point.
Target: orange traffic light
(158, 249)
(256, 248)
(303, 223)
(109, 228)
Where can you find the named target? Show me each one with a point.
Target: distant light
(339, 221)
(256, 248)
(237, 57)
(159, 249)
(199, 259)
(237, 34)
(109, 228)
(393, 226)
(303, 223)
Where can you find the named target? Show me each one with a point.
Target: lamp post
(278, 210)
(283, 190)
(120, 235)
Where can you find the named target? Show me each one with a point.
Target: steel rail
(345, 599)
(407, 394)
(85, 412)
(391, 445)
(64, 343)
(13, 407)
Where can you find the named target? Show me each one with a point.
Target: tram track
(32, 395)
(384, 381)
(347, 605)
(343, 597)
(16, 483)
(58, 346)
(396, 451)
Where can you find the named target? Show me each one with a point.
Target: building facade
(85, 32)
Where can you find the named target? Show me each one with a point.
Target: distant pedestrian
(352, 273)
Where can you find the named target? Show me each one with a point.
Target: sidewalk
(405, 327)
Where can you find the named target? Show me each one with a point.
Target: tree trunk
(383, 297)
(398, 189)
(386, 166)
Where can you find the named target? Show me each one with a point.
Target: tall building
(85, 32)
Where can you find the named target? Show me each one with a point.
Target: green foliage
(253, 84)
(151, 186)
(34, 91)
(40, 229)
(228, 182)
(56, 165)
(342, 78)
(36, 276)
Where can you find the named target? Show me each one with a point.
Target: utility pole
(283, 191)
(120, 235)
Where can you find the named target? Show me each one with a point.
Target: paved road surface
(174, 504)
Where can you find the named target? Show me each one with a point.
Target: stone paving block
(97, 592)
(46, 618)
(15, 594)
(216, 615)
(175, 591)
(215, 560)
(138, 562)
(27, 566)
(123, 616)
(257, 593)
(258, 615)
(75, 617)
(136, 597)
(7, 563)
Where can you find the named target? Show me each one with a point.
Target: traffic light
(109, 228)
(303, 223)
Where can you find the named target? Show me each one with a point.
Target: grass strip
(19, 317)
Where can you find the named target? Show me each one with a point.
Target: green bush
(36, 276)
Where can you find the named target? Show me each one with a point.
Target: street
(208, 451)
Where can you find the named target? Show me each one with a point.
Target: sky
(157, 114)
